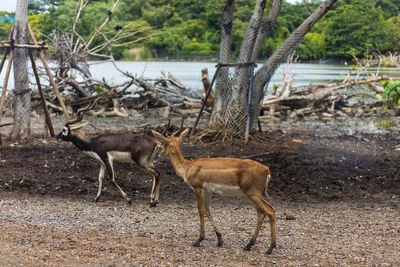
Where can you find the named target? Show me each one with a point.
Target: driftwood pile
(325, 101)
(350, 98)
(118, 99)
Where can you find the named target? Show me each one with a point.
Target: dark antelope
(107, 148)
(225, 176)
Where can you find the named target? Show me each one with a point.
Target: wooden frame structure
(9, 46)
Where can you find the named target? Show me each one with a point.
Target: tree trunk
(230, 104)
(22, 101)
(232, 116)
(220, 100)
(266, 28)
(264, 75)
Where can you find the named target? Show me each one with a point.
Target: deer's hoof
(220, 242)
(153, 204)
(197, 243)
(271, 248)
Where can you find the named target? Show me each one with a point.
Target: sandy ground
(337, 197)
(39, 231)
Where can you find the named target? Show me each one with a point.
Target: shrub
(391, 95)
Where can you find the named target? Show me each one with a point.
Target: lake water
(190, 72)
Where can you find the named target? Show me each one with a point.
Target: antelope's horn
(82, 111)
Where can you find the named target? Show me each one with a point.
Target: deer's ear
(159, 136)
(184, 133)
(78, 125)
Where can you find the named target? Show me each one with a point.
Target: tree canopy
(186, 29)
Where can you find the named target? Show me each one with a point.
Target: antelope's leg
(158, 189)
(201, 207)
(263, 207)
(158, 179)
(207, 198)
(148, 165)
(110, 169)
(101, 177)
(156, 186)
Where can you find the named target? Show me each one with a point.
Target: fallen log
(206, 84)
(318, 93)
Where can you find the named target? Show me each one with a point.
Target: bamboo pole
(55, 87)
(43, 100)
(3, 93)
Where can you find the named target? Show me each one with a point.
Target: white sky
(9, 5)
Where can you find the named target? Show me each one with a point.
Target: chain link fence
(21, 95)
(231, 107)
(22, 106)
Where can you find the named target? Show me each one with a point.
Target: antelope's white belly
(119, 156)
(93, 155)
(233, 191)
(112, 156)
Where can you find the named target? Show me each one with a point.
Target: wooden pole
(42, 98)
(8, 45)
(3, 93)
(205, 99)
(55, 88)
(3, 60)
(246, 135)
(9, 41)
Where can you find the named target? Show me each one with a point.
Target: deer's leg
(101, 177)
(263, 208)
(207, 198)
(272, 221)
(201, 207)
(110, 169)
(260, 219)
(146, 163)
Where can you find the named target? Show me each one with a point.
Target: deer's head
(171, 143)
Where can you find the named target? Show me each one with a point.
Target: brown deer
(224, 176)
(107, 148)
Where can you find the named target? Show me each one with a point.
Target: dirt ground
(336, 191)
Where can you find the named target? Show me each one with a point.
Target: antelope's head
(171, 143)
(71, 126)
(68, 130)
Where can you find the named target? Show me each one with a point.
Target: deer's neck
(178, 162)
(81, 141)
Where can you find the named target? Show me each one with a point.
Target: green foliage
(186, 28)
(5, 28)
(354, 27)
(36, 21)
(99, 89)
(391, 95)
(313, 46)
